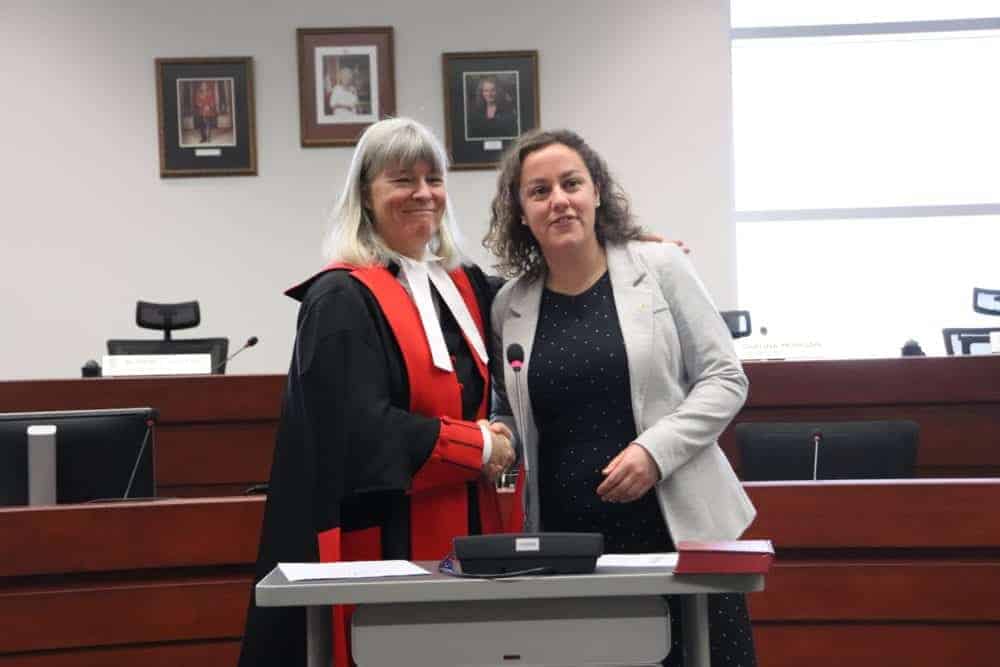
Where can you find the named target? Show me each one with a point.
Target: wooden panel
(897, 590)
(123, 536)
(877, 514)
(866, 572)
(107, 615)
(207, 454)
(189, 398)
(906, 380)
(219, 652)
(216, 433)
(879, 573)
(877, 645)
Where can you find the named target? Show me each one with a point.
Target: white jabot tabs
(418, 277)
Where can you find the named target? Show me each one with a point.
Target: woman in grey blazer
(628, 377)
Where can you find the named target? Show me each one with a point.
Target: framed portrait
(490, 99)
(205, 116)
(346, 83)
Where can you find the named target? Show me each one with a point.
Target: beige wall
(89, 226)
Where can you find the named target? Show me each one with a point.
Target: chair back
(845, 450)
(963, 341)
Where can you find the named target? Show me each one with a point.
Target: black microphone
(151, 418)
(251, 341)
(515, 357)
(817, 437)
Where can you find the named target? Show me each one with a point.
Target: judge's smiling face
(406, 205)
(558, 198)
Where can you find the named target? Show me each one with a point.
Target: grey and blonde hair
(394, 142)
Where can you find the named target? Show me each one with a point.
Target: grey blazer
(686, 385)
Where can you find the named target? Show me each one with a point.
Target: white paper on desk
(666, 561)
(357, 569)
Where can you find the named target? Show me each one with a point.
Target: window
(867, 172)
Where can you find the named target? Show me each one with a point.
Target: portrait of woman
(491, 105)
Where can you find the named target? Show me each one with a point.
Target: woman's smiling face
(558, 198)
(406, 205)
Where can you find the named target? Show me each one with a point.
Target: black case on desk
(558, 553)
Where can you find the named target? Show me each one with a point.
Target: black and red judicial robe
(378, 454)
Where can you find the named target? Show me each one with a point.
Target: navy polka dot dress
(580, 392)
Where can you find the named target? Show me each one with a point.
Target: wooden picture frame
(490, 99)
(346, 83)
(205, 117)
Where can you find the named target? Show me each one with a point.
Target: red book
(733, 557)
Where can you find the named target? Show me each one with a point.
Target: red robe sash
(439, 502)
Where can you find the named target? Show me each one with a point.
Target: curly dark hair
(513, 243)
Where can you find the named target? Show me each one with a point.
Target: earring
(523, 221)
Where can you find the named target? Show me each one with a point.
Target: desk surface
(276, 591)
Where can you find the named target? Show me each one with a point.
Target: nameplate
(122, 365)
(207, 152)
(995, 341)
(492, 145)
(759, 348)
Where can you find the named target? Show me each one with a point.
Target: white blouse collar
(418, 276)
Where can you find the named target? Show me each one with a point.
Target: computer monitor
(99, 454)
(846, 450)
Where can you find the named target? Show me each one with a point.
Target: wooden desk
(879, 573)
(866, 574)
(955, 400)
(159, 583)
(216, 433)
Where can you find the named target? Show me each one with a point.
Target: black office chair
(986, 301)
(738, 322)
(965, 341)
(168, 317)
(827, 450)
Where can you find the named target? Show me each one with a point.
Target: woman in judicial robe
(383, 450)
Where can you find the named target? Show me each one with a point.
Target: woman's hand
(502, 453)
(650, 237)
(628, 476)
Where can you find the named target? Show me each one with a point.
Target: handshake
(502, 452)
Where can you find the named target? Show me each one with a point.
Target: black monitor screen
(847, 450)
(98, 452)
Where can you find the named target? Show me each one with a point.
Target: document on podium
(665, 561)
(358, 569)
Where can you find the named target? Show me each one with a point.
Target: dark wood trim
(163, 654)
(877, 645)
(879, 573)
(128, 613)
(909, 514)
(216, 433)
(907, 569)
(902, 381)
(182, 399)
(127, 536)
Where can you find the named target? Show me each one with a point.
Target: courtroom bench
(866, 573)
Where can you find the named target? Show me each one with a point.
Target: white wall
(89, 227)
